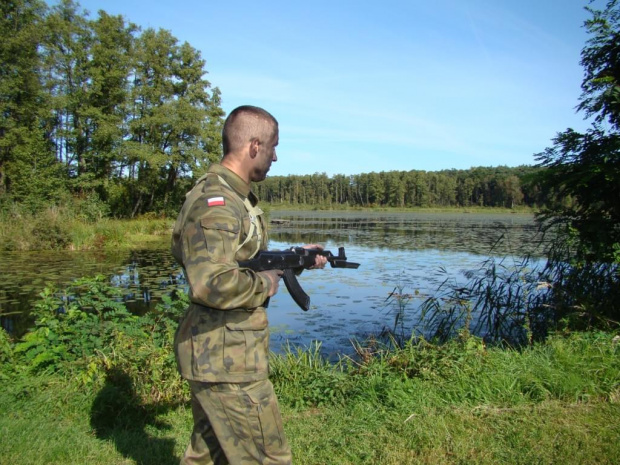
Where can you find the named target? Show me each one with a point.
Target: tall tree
(110, 63)
(583, 170)
(175, 122)
(67, 48)
(27, 166)
(586, 167)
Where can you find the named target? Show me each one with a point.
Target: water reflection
(143, 275)
(406, 250)
(474, 233)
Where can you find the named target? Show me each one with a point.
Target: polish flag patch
(216, 202)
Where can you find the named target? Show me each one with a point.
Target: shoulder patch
(216, 202)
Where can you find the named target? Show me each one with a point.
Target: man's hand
(319, 260)
(274, 278)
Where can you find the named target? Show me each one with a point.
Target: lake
(414, 252)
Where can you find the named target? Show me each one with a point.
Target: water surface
(413, 252)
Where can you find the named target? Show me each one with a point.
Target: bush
(91, 208)
(51, 231)
(86, 332)
(48, 229)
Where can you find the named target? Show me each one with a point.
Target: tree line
(99, 109)
(482, 186)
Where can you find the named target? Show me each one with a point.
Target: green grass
(556, 402)
(58, 229)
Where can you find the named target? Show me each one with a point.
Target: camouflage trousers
(237, 424)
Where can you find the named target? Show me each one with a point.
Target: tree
(109, 66)
(583, 171)
(66, 60)
(585, 168)
(601, 62)
(174, 122)
(511, 192)
(28, 170)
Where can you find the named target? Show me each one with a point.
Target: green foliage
(72, 325)
(91, 208)
(147, 358)
(584, 295)
(86, 332)
(503, 300)
(6, 355)
(72, 226)
(519, 302)
(601, 85)
(47, 229)
(575, 164)
(51, 231)
(490, 187)
(466, 372)
(463, 371)
(98, 109)
(582, 173)
(585, 168)
(24, 154)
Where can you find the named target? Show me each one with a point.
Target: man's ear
(254, 147)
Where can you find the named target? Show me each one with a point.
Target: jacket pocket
(221, 234)
(246, 342)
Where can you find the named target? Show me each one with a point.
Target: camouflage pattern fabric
(222, 343)
(242, 425)
(224, 336)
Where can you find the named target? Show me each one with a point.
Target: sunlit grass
(556, 402)
(58, 229)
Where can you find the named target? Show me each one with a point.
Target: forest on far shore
(482, 186)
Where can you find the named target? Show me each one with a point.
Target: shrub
(86, 332)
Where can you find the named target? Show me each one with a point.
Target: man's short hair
(246, 123)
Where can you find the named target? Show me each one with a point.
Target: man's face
(265, 157)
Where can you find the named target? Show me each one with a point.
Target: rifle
(293, 262)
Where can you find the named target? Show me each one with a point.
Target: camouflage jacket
(223, 336)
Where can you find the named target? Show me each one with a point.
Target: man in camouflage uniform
(222, 344)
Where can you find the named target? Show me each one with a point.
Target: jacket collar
(239, 185)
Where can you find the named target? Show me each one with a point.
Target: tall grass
(62, 228)
(504, 300)
(519, 301)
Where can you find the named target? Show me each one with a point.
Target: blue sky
(363, 86)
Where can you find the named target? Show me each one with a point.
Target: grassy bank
(529, 416)
(59, 229)
(96, 385)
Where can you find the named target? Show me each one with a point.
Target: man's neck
(233, 165)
